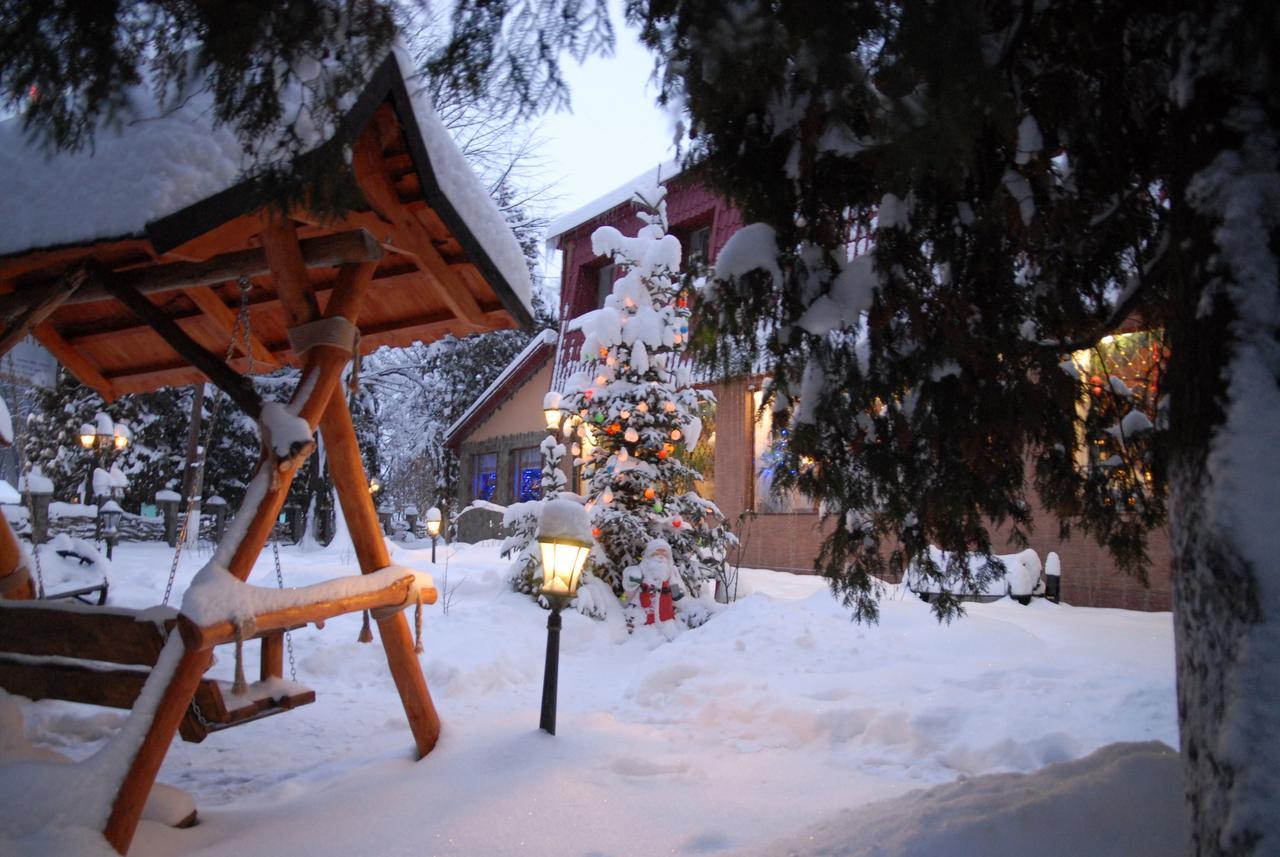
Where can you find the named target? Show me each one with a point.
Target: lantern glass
(552, 416)
(562, 562)
(433, 528)
(87, 436)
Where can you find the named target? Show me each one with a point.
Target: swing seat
(103, 656)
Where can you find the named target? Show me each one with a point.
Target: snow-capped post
(638, 415)
(39, 489)
(168, 501)
(1053, 578)
(109, 514)
(433, 529)
(564, 541)
(218, 506)
(411, 519)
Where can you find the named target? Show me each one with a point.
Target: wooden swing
(152, 306)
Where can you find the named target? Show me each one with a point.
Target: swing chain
(288, 635)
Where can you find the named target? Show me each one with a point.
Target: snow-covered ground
(768, 730)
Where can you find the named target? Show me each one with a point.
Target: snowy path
(773, 716)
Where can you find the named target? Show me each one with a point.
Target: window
(526, 480)
(768, 457)
(698, 249)
(604, 282)
(484, 475)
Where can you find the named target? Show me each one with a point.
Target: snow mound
(1125, 800)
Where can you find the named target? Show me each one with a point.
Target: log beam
(76, 363)
(228, 380)
(23, 311)
(325, 251)
(219, 633)
(352, 484)
(407, 231)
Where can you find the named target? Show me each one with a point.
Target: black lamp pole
(433, 550)
(551, 671)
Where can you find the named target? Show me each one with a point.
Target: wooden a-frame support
(319, 401)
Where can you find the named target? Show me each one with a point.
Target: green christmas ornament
(599, 417)
(657, 507)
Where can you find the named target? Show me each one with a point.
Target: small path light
(564, 541)
(433, 529)
(110, 513)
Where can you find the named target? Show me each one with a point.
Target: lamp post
(105, 435)
(433, 529)
(564, 541)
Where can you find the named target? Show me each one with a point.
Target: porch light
(551, 410)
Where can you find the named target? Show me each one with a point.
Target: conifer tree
(637, 412)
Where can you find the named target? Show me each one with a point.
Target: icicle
(239, 687)
(366, 633)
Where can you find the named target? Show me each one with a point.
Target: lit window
(768, 454)
(527, 479)
(484, 479)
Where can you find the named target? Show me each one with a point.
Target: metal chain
(288, 635)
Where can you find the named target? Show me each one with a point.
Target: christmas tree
(635, 414)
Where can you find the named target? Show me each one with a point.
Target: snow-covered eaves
(521, 368)
(607, 202)
(169, 175)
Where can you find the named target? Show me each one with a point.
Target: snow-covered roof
(155, 163)
(661, 173)
(543, 340)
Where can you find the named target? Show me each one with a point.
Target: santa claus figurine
(655, 580)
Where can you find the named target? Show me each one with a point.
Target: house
(784, 533)
(496, 439)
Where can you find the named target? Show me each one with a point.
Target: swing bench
(154, 303)
(104, 656)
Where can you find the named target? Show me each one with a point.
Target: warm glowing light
(433, 522)
(562, 562)
(675, 434)
(643, 407)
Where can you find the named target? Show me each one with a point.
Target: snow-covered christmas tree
(635, 415)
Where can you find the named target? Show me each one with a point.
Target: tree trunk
(1223, 377)
(193, 479)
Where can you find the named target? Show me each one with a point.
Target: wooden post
(272, 657)
(362, 520)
